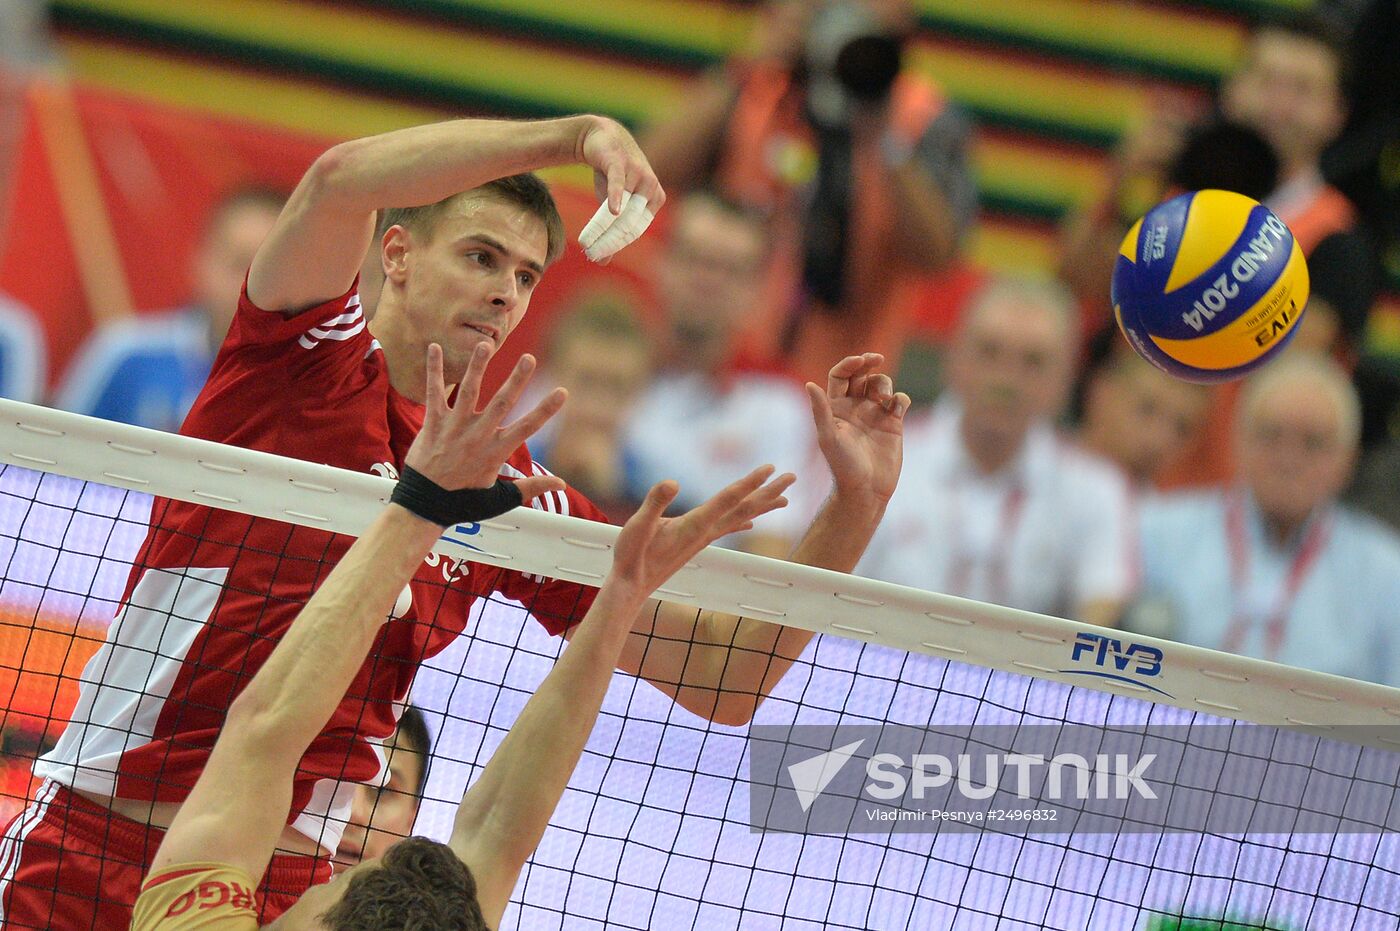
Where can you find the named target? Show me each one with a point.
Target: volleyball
(1209, 286)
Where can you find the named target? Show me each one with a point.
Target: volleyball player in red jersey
(301, 374)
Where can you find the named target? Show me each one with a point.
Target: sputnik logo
(811, 777)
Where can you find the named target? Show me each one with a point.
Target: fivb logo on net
(1067, 777)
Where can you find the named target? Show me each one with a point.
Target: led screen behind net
(654, 831)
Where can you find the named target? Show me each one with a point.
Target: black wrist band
(424, 497)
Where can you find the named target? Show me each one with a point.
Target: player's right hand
(624, 182)
(462, 447)
(651, 548)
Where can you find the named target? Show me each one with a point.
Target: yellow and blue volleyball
(1209, 286)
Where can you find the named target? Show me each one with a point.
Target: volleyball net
(842, 805)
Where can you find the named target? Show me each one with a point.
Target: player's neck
(407, 368)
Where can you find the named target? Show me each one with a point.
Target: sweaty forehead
(475, 213)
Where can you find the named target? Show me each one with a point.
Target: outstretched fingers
(509, 393)
(738, 504)
(469, 391)
(529, 424)
(761, 501)
(436, 395)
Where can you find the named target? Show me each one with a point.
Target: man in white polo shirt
(1272, 566)
(993, 505)
(700, 421)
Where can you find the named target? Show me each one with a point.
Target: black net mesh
(655, 828)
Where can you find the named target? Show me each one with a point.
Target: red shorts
(67, 863)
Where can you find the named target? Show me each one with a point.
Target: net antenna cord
(539, 543)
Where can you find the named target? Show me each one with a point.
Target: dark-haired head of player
(461, 272)
(417, 883)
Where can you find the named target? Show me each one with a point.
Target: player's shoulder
(338, 321)
(196, 895)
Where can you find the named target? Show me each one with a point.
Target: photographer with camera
(862, 163)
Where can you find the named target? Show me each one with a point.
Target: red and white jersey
(212, 591)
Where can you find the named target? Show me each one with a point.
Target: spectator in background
(862, 162)
(1163, 155)
(995, 506)
(148, 370)
(601, 355)
(1272, 566)
(1136, 416)
(383, 815)
(1288, 88)
(23, 353)
(699, 421)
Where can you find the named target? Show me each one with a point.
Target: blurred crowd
(822, 199)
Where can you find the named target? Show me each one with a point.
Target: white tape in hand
(605, 234)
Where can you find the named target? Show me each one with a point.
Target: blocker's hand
(461, 447)
(860, 426)
(651, 548)
(624, 181)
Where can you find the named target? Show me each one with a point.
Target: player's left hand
(624, 182)
(461, 446)
(651, 548)
(860, 427)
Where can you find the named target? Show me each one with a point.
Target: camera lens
(867, 66)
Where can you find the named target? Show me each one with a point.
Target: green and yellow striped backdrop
(1051, 82)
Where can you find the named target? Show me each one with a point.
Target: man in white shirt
(993, 505)
(1272, 566)
(700, 422)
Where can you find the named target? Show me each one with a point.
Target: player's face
(1143, 418)
(709, 276)
(1292, 454)
(380, 817)
(1289, 91)
(470, 281)
(1009, 366)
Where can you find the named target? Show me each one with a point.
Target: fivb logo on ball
(1209, 285)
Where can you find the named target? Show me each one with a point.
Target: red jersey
(212, 591)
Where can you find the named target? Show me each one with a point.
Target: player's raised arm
(505, 812)
(240, 804)
(320, 239)
(721, 666)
